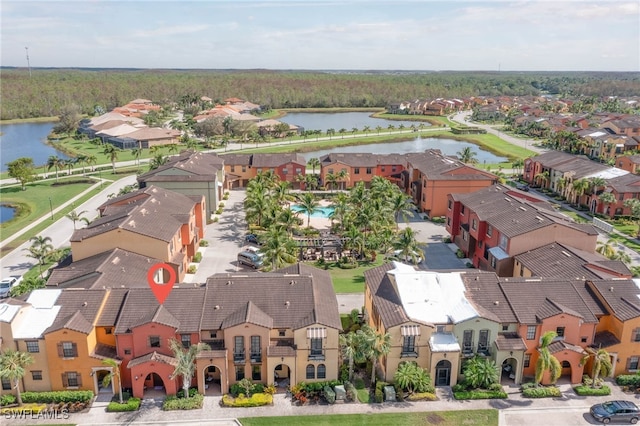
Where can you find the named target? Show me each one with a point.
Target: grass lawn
(351, 280)
(440, 418)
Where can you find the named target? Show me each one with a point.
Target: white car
(7, 283)
(397, 255)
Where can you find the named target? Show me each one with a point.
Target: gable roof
(78, 310)
(276, 160)
(437, 166)
(622, 297)
(188, 166)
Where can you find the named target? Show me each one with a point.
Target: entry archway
(212, 379)
(154, 385)
(508, 370)
(443, 373)
(282, 376)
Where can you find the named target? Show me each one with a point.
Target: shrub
(132, 404)
(631, 380)
(378, 395)
(192, 392)
(480, 394)
(446, 240)
(459, 254)
(225, 197)
(174, 403)
(329, 395)
(459, 387)
(350, 390)
(204, 243)
(219, 211)
(271, 389)
(192, 269)
(57, 396)
(256, 400)
(583, 390)
(423, 396)
(359, 383)
(197, 258)
(541, 392)
(221, 205)
(25, 409)
(215, 220)
(8, 399)
(344, 373)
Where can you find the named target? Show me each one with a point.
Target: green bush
(174, 403)
(8, 399)
(192, 392)
(459, 254)
(237, 389)
(344, 373)
(132, 404)
(329, 395)
(256, 400)
(359, 383)
(351, 392)
(192, 269)
(528, 385)
(221, 205)
(204, 243)
(583, 390)
(631, 380)
(219, 211)
(57, 396)
(378, 395)
(542, 392)
(480, 394)
(423, 396)
(28, 409)
(197, 258)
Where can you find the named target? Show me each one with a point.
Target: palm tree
(331, 132)
(82, 159)
(411, 377)
(54, 161)
(602, 365)
(112, 152)
(13, 366)
(185, 362)
(137, 152)
(366, 130)
(579, 187)
(350, 346)
(467, 155)
(331, 179)
(157, 161)
(278, 247)
(391, 127)
(634, 205)
(75, 216)
(91, 160)
(546, 360)
(40, 250)
(607, 198)
(606, 249)
(288, 220)
(481, 372)
(375, 345)
(342, 131)
(401, 204)
(542, 178)
(113, 375)
(518, 164)
(407, 245)
(378, 129)
(308, 205)
(343, 177)
(313, 163)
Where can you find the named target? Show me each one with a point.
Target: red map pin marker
(161, 290)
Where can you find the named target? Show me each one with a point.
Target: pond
(419, 144)
(343, 120)
(26, 140)
(6, 213)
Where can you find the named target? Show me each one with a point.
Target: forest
(48, 91)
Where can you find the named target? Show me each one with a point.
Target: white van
(250, 257)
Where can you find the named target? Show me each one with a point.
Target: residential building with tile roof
(362, 167)
(243, 167)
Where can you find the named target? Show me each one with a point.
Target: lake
(26, 140)
(419, 144)
(6, 213)
(342, 120)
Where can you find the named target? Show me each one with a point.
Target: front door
(443, 373)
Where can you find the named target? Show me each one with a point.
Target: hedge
(422, 396)
(480, 394)
(57, 396)
(27, 409)
(174, 403)
(8, 399)
(256, 400)
(632, 380)
(583, 390)
(542, 392)
(132, 404)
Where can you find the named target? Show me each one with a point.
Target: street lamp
(51, 208)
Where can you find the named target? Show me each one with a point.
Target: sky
(549, 35)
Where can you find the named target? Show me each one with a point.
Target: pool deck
(319, 223)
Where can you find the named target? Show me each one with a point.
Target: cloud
(171, 31)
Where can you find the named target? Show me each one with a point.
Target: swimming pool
(323, 212)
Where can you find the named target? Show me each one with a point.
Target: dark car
(522, 187)
(616, 411)
(252, 239)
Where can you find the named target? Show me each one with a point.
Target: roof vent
(477, 278)
(229, 282)
(287, 303)
(216, 307)
(123, 269)
(496, 302)
(611, 289)
(292, 282)
(85, 303)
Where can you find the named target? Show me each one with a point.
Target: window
(127, 351)
(566, 364)
(505, 327)
(632, 363)
(233, 168)
(213, 335)
(154, 341)
(244, 169)
(356, 170)
(330, 171)
(483, 342)
(636, 335)
(503, 242)
(238, 348)
(527, 360)
(439, 328)
(282, 333)
(621, 197)
(462, 209)
(71, 379)
(531, 332)
(256, 373)
(493, 262)
(449, 204)
(256, 353)
(382, 169)
(393, 168)
(239, 373)
(311, 372)
(285, 171)
(489, 230)
(36, 374)
(108, 330)
(67, 350)
(32, 346)
(448, 221)
(583, 339)
(298, 170)
(467, 342)
(474, 224)
(316, 347)
(186, 340)
(322, 371)
(408, 345)
(6, 384)
(560, 332)
(369, 171)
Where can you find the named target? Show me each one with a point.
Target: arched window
(322, 371)
(311, 372)
(565, 364)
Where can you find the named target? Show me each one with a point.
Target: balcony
(409, 352)
(467, 350)
(239, 356)
(256, 357)
(215, 344)
(483, 350)
(316, 355)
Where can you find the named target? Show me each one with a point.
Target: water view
(447, 146)
(26, 140)
(342, 120)
(6, 213)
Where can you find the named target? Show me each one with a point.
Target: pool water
(322, 212)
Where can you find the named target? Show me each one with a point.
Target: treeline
(48, 91)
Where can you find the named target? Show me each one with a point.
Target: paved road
(16, 263)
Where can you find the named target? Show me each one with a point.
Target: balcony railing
(409, 353)
(256, 357)
(467, 350)
(316, 355)
(483, 350)
(238, 356)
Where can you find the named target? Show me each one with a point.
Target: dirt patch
(434, 419)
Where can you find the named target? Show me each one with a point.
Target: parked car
(250, 256)
(616, 411)
(7, 283)
(252, 239)
(397, 255)
(522, 187)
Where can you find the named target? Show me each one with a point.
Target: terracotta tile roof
(153, 211)
(78, 310)
(103, 351)
(292, 297)
(76, 322)
(629, 183)
(115, 268)
(151, 133)
(384, 296)
(437, 166)
(494, 199)
(188, 166)
(152, 357)
(604, 339)
(510, 342)
(111, 308)
(249, 313)
(483, 289)
(184, 305)
(276, 160)
(159, 316)
(236, 159)
(359, 159)
(281, 351)
(620, 296)
(561, 345)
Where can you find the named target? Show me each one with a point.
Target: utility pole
(28, 65)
